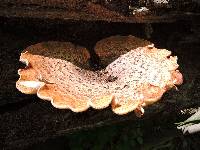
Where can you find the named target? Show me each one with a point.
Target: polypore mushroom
(112, 47)
(135, 79)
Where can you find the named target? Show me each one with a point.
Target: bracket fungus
(137, 78)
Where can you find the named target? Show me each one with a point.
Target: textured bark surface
(95, 10)
(26, 120)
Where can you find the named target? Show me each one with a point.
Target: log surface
(112, 11)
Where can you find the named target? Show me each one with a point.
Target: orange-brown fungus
(135, 79)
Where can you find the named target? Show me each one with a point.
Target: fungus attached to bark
(137, 78)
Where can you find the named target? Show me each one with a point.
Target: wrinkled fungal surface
(133, 80)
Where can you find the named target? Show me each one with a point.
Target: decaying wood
(26, 120)
(112, 11)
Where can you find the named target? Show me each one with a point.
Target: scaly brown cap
(135, 79)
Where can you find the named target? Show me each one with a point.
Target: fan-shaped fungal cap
(112, 47)
(135, 79)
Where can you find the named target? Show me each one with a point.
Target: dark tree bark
(95, 10)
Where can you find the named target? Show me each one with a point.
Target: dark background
(27, 122)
